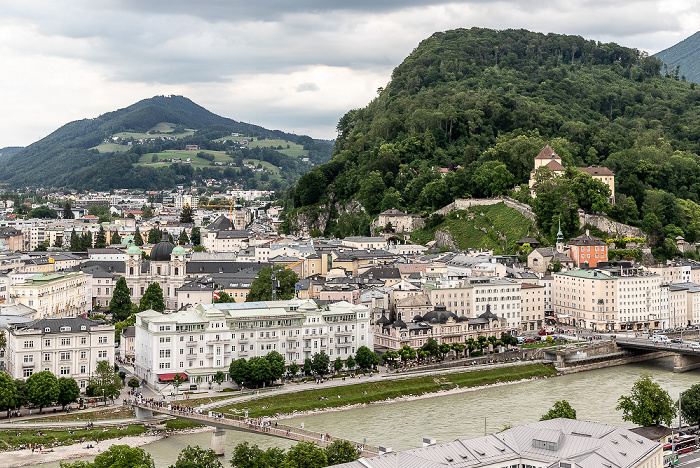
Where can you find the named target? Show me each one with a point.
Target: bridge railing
(268, 426)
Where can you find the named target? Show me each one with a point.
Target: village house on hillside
(548, 158)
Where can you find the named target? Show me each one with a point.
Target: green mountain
(75, 154)
(481, 104)
(683, 59)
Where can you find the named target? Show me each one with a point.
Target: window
(83, 340)
(82, 369)
(47, 356)
(28, 344)
(47, 343)
(102, 340)
(164, 365)
(65, 341)
(166, 339)
(65, 370)
(102, 354)
(165, 353)
(28, 358)
(83, 354)
(27, 373)
(65, 356)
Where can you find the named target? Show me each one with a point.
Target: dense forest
(483, 103)
(65, 158)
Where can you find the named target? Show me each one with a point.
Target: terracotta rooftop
(547, 153)
(597, 171)
(555, 166)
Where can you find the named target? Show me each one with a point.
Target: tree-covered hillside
(683, 59)
(482, 104)
(69, 157)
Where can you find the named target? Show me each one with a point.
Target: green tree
(431, 347)
(105, 381)
(133, 383)
(42, 212)
(197, 457)
(247, 456)
(85, 241)
(223, 297)
(341, 451)
(350, 362)
(561, 409)
(306, 368)
(178, 379)
(690, 404)
(74, 241)
(307, 455)
(146, 212)
(8, 393)
(372, 192)
(68, 391)
(320, 362)
(219, 378)
(259, 371)
(647, 404)
(444, 349)
(195, 236)
(492, 178)
(152, 298)
(338, 364)
(186, 215)
(42, 389)
(68, 211)
(138, 239)
(120, 305)
(366, 358)
(183, 238)
(101, 239)
(22, 392)
(238, 370)
(277, 367)
(293, 369)
(155, 235)
(261, 288)
(115, 239)
(117, 456)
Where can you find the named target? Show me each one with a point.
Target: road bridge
(685, 358)
(221, 423)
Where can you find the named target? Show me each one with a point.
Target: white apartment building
(586, 299)
(206, 338)
(470, 297)
(53, 295)
(66, 347)
(532, 306)
(639, 301)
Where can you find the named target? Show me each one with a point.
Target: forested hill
(67, 157)
(683, 58)
(482, 104)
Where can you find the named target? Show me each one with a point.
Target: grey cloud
(307, 87)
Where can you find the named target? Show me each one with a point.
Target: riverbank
(26, 457)
(350, 396)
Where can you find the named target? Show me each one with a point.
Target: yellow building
(52, 295)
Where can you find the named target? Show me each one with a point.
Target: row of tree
(43, 388)
(301, 455)
(431, 348)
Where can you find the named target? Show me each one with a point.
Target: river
(402, 425)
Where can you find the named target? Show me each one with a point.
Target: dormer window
(47, 329)
(65, 329)
(83, 327)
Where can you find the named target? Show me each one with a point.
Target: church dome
(161, 251)
(133, 250)
(179, 250)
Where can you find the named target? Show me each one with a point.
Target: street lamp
(104, 401)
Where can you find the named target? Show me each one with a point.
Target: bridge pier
(218, 440)
(143, 413)
(685, 362)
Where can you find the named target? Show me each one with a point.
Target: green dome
(179, 250)
(133, 250)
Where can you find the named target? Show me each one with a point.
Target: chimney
(428, 441)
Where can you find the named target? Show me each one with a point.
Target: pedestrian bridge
(685, 358)
(221, 423)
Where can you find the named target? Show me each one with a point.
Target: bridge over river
(611, 350)
(221, 423)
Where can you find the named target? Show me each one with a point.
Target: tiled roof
(547, 153)
(597, 171)
(555, 166)
(54, 325)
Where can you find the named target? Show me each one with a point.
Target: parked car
(695, 346)
(661, 339)
(530, 340)
(676, 340)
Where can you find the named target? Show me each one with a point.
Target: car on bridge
(661, 339)
(676, 340)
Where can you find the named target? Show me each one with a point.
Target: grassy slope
(467, 234)
(163, 128)
(9, 438)
(379, 391)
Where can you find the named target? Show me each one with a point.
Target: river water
(402, 425)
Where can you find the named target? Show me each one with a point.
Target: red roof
(555, 166)
(547, 153)
(170, 377)
(597, 171)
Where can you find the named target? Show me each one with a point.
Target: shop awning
(171, 377)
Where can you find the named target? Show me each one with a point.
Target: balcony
(269, 338)
(344, 332)
(209, 355)
(191, 343)
(218, 342)
(243, 339)
(28, 364)
(227, 353)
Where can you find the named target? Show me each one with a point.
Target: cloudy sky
(294, 65)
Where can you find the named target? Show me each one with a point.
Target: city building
(67, 347)
(587, 251)
(560, 443)
(52, 295)
(204, 339)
